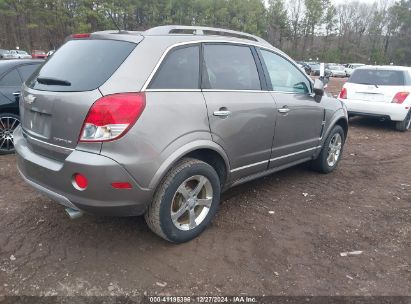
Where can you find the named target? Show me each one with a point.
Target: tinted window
(12, 78)
(85, 64)
(378, 77)
(284, 75)
(180, 70)
(27, 70)
(230, 67)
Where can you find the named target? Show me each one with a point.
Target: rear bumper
(54, 179)
(395, 112)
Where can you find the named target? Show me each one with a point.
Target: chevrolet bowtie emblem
(30, 99)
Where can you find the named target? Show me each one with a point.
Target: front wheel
(8, 123)
(185, 201)
(331, 152)
(405, 124)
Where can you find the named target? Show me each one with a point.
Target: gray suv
(161, 122)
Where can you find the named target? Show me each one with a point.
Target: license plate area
(370, 97)
(37, 123)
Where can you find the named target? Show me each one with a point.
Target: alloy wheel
(7, 125)
(334, 150)
(191, 202)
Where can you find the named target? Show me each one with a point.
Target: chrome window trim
(47, 144)
(193, 42)
(245, 91)
(173, 90)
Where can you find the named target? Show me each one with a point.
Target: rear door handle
(284, 110)
(223, 113)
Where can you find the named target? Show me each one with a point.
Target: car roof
(6, 65)
(385, 67)
(14, 62)
(184, 34)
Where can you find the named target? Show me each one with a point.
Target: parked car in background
(351, 67)
(12, 74)
(19, 54)
(5, 54)
(305, 67)
(315, 69)
(38, 54)
(92, 134)
(380, 91)
(336, 71)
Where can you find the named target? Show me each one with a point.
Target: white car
(19, 54)
(336, 71)
(351, 67)
(380, 91)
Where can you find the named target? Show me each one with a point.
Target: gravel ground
(280, 235)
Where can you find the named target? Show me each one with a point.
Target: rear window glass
(83, 65)
(378, 77)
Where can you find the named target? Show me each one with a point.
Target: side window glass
(179, 70)
(285, 77)
(11, 79)
(27, 70)
(230, 67)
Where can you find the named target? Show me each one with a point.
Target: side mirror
(318, 90)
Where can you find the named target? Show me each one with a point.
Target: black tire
(158, 215)
(321, 164)
(6, 132)
(404, 125)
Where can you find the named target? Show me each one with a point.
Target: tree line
(305, 29)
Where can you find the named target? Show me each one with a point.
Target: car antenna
(114, 22)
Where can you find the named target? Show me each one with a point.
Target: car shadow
(371, 122)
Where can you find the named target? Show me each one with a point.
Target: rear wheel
(185, 202)
(405, 124)
(331, 152)
(8, 123)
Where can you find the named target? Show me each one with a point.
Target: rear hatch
(57, 97)
(376, 85)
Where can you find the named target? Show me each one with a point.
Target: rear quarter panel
(170, 120)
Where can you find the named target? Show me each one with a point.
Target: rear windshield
(81, 65)
(378, 77)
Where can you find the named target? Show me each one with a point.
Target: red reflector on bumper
(80, 181)
(121, 185)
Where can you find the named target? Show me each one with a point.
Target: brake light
(110, 117)
(80, 36)
(400, 97)
(343, 93)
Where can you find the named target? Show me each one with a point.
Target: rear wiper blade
(53, 81)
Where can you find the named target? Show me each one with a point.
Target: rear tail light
(110, 117)
(400, 97)
(80, 36)
(343, 93)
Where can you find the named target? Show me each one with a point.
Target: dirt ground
(280, 235)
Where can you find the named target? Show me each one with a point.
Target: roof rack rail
(200, 30)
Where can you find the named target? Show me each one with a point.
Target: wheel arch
(204, 150)
(340, 119)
